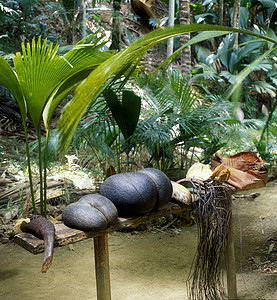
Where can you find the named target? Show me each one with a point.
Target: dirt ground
(150, 264)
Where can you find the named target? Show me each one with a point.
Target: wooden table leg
(231, 264)
(102, 270)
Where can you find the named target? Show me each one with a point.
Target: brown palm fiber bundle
(212, 212)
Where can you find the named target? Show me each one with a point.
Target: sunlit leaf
(122, 61)
(245, 72)
(9, 79)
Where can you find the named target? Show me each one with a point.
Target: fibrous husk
(199, 171)
(181, 193)
(212, 213)
(243, 170)
(242, 161)
(246, 170)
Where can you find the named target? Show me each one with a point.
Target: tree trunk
(220, 11)
(116, 34)
(235, 23)
(184, 10)
(82, 20)
(170, 41)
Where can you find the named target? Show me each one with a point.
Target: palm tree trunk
(82, 19)
(220, 11)
(29, 167)
(116, 34)
(235, 23)
(184, 10)
(171, 13)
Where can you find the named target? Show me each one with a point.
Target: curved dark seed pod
(103, 204)
(82, 216)
(91, 213)
(132, 193)
(163, 185)
(45, 230)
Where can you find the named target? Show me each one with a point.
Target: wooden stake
(102, 270)
(231, 264)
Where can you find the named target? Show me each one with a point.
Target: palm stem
(45, 170)
(42, 212)
(267, 123)
(29, 168)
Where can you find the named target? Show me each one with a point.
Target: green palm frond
(37, 73)
(265, 87)
(44, 76)
(173, 91)
(83, 58)
(10, 80)
(124, 63)
(41, 79)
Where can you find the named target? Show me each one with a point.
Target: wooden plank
(231, 264)
(29, 242)
(102, 268)
(65, 235)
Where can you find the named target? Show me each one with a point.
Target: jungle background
(183, 116)
(160, 118)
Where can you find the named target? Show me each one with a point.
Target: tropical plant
(221, 69)
(172, 104)
(69, 11)
(40, 80)
(265, 11)
(95, 138)
(266, 144)
(173, 118)
(126, 61)
(266, 150)
(19, 21)
(251, 12)
(108, 127)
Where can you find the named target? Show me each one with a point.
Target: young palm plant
(96, 135)
(109, 125)
(40, 80)
(180, 118)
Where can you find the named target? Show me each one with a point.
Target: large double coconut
(91, 213)
(137, 192)
(124, 194)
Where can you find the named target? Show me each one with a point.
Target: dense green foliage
(228, 104)
(41, 79)
(20, 21)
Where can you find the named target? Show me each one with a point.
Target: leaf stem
(29, 168)
(42, 211)
(45, 170)
(267, 123)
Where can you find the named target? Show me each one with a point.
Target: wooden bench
(65, 235)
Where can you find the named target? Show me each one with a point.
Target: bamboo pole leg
(231, 264)
(102, 270)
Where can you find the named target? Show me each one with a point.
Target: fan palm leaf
(40, 81)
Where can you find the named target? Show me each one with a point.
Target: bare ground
(151, 264)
